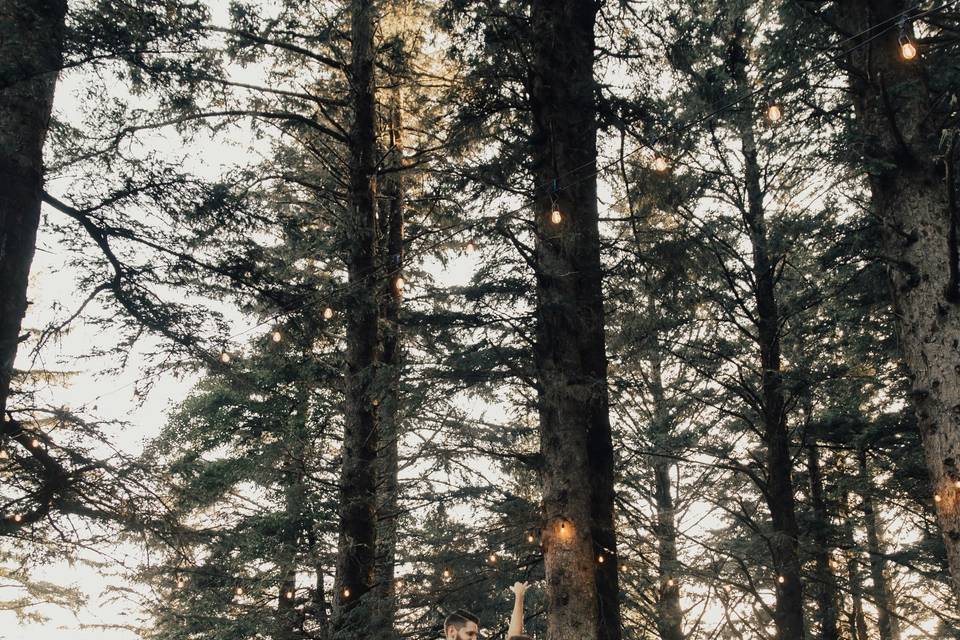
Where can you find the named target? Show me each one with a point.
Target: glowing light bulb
(239, 591)
(774, 113)
(600, 558)
(670, 582)
(660, 164)
(224, 357)
(955, 484)
(18, 518)
(493, 558)
(555, 216)
(346, 593)
(277, 336)
(530, 538)
(937, 498)
(781, 579)
(399, 283)
(446, 573)
(327, 313)
(908, 50)
(34, 443)
(289, 595)
(471, 247)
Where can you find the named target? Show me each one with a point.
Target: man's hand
(519, 588)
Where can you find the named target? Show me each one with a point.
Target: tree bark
(31, 52)
(391, 238)
(827, 593)
(900, 136)
(570, 356)
(778, 489)
(883, 596)
(356, 550)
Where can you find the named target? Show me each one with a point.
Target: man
(461, 625)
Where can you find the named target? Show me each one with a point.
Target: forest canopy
(562, 319)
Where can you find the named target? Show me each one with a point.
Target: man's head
(461, 625)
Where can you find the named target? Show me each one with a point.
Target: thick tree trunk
(31, 50)
(827, 593)
(356, 551)
(779, 494)
(900, 141)
(570, 356)
(883, 596)
(391, 240)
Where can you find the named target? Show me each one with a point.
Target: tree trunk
(857, 621)
(356, 550)
(779, 494)
(31, 51)
(900, 140)
(669, 611)
(882, 594)
(826, 582)
(570, 356)
(391, 235)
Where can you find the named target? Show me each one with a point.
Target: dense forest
(654, 306)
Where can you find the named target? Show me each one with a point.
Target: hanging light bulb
(530, 538)
(225, 357)
(936, 497)
(907, 49)
(399, 283)
(600, 558)
(289, 595)
(18, 517)
(34, 443)
(239, 591)
(493, 558)
(446, 573)
(660, 164)
(555, 216)
(346, 593)
(774, 113)
(781, 579)
(277, 336)
(327, 313)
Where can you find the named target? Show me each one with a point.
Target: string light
(493, 558)
(781, 579)
(600, 558)
(289, 595)
(907, 49)
(399, 283)
(18, 517)
(774, 113)
(936, 497)
(955, 484)
(471, 246)
(277, 336)
(555, 216)
(327, 313)
(660, 164)
(224, 357)
(239, 591)
(446, 573)
(346, 593)
(670, 582)
(530, 538)
(34, 443)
